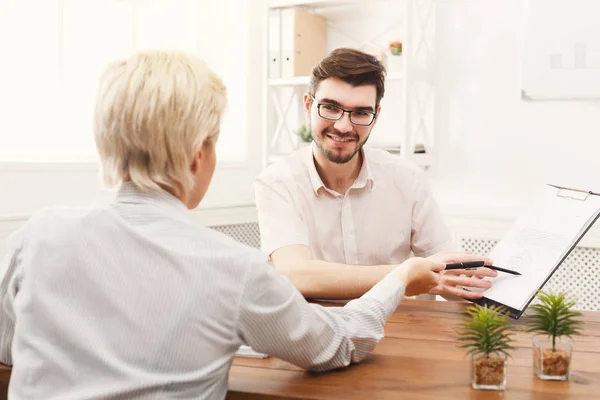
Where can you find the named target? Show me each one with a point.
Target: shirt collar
(129, 193)
(364, 178)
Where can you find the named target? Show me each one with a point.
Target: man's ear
(307, 99)
(377, 115)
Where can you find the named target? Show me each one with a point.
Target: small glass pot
(549, 363)
(488, 373)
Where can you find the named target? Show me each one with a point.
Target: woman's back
(124, 301)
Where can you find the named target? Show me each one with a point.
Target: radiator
(578, 274)
(246, 233)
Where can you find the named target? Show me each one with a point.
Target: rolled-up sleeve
(429, 234)
(277, 320)
(11, 273)
(280, 223)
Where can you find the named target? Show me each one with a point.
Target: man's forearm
(317, 279)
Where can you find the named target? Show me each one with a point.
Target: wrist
(401, 273)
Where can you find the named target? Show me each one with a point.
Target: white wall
(494, 146)
(25, 188)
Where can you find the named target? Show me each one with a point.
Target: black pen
(471, 265)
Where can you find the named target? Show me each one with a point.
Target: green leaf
(553, 315)
(304, 133)
(485, 330)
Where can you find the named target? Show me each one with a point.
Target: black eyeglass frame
(319, 105)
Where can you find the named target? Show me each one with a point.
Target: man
(133, 300)
(337, 216)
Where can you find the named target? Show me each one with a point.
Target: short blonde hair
(154, 111)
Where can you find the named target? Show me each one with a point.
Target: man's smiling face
(341, 140)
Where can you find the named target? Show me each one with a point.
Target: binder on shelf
(538, 243)
(274, 50)
(303, 41)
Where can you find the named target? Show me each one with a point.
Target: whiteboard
(561, 58)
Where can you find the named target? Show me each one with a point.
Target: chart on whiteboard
(561, 58)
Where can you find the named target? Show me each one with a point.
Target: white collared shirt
(388, 212)
(135, 300)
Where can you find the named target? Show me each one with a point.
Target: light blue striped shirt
(135, 300)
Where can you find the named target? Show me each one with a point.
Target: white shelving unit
(316, 3)
(423, 160)
(407, 113)
(293, 81)
(303, 80)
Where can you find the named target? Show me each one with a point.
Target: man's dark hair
(352, 66)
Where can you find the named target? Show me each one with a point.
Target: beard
(333, 155)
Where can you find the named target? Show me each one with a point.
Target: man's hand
(451, 281)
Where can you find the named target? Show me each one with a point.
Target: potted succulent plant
(485, 333)
(553, 318)
(396, 48)
(304, 134)
(394, 61)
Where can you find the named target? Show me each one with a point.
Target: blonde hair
(154, 111)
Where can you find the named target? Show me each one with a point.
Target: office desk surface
(4, 378)
(418, 360)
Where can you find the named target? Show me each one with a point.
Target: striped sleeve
(11, 277)
(277, 320)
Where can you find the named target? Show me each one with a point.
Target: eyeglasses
(335, 113)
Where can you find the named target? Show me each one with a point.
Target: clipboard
(588, 203)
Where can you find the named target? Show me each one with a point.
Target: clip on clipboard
(577, 194)
(538, 243)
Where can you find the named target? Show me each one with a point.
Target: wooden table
(4, 378)
(418, 359)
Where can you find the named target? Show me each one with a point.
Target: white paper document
(539, 241)
(247, 351)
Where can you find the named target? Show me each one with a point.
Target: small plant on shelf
(553, 318)
(485, 333)
(396, 48)
(304, 134)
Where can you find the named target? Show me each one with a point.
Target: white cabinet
(407, 109)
